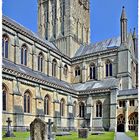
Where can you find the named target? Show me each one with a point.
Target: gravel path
(121, 136)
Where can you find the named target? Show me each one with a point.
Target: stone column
(16, 50)
(89, 112)
(70, 114)
(39, 109)
(49, 65)
(17, 107)
(56, 109)
(34, 58)
(126, 115)
(84, 72)
(60, 70)
(113, 109)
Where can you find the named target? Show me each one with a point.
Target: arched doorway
(133, 121)
(120, 128)
(120, 123)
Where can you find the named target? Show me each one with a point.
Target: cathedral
(58, 74)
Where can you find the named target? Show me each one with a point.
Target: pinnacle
(123, 15)
(134, 33)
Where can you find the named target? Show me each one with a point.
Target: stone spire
(123, 16)
(134, 38)
(123, 22)
(134, 34)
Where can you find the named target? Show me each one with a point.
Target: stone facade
(76, 23)
(90, 82)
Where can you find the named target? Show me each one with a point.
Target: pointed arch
(77, 71)
(4, 97)
(120, 123)
(40, 61)
(65, 70)
(27, 101)
(81, 109)
(62, 107)
(98, 108)
(54, 67)
(108, 68)
(5, 45)
(24, 49)
(92, 71)
(47, 104)
(120, 119)
(133, 121)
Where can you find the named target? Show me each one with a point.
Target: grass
(74, 136)
(19, 136)
(132, 135)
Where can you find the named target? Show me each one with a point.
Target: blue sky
(104, 15)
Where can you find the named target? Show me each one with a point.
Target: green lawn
(132, 135)
(19, 136)
(74, 136)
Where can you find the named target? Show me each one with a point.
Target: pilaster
(113, 110)
(70, 121)
(84, 72)
(17, 107)
(126, 115)
(16, 50)
(99, 69)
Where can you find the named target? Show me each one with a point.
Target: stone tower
(123, 22)
(65, 23)
(124, 55)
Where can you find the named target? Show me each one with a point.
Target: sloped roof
(99, 46)
(18, 25)
(90, 85)
(128, 92)
(25, 70)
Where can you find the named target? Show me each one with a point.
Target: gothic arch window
(46, 105)
(81, 109)
(77, 71)
(62, 107)
(4, 98)
(54, 67)
(108, 68)
(40, 62)
(92, 71)
(5, 44)
(27, 102)
(120, 119)
(99, 109)
(133, 121)
(24, 55)
(65, 70)
(74, 108)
